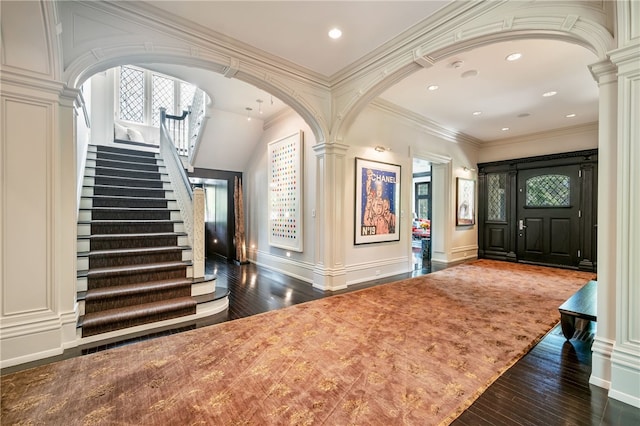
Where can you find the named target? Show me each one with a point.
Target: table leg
(568, 324)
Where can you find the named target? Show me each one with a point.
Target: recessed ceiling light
(570, 115)
(477, 112)
(548, 94)
(523, 115)
(513, 57)
(335, 33)
(504, 129)
(433, 87)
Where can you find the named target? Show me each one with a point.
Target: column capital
(604, 72)
(626, 58)
(333, 148)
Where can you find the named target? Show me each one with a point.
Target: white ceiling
(297, 32)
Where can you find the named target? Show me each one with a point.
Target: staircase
(134, 264)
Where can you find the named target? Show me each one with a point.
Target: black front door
(548, 215)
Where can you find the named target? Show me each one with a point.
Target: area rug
(412, 352)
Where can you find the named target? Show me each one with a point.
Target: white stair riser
(207, 287)
(82, 262)
(82, 284)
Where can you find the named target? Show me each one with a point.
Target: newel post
(198, 233)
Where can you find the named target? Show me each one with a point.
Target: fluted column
(625, 358)
(329, 271)
(605, 74)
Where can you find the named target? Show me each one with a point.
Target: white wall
(297, 264)
(564, 140)
(363, 262)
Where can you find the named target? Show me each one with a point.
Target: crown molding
(425, 124)
(565, 131)
(410, 39)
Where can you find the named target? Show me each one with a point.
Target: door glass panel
(422, 199)
(423, 208)
(496, 194)
(548, 191)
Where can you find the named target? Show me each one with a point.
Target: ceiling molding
(278, 117)
(161, 20)
(407, 41)
(425, 124)
(565, 131)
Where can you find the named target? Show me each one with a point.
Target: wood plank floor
(548, 386)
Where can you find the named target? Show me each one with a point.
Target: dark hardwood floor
(548, 386)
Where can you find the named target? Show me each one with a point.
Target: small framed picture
(465, 202)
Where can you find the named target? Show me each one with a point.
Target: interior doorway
(422, 213)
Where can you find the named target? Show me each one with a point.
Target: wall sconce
(381, 148)
(249, 109)
(468, 169)
(259, 101)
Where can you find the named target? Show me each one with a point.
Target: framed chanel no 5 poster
(377, 202)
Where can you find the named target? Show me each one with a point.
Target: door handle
(521, 224)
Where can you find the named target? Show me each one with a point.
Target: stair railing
(191, 207)
(197, 124)
(178, 127)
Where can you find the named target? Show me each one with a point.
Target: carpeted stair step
(129, 191)
(139, 174)
(129, 158)
(121, 150)
(124, 241)
(130, 274)
(121, 164)
(128, 213)
(106, 298)
(132, 250)
(135, 256)
(116, 319)
(102, 227)
(129, 202)
(127, 181)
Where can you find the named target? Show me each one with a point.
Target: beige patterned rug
(413, 352)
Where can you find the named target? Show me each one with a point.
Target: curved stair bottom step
(204, 313)
(116, 319)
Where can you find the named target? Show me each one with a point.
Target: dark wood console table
(581, 305)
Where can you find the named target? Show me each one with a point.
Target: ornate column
(329, 271)
(625, 359)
